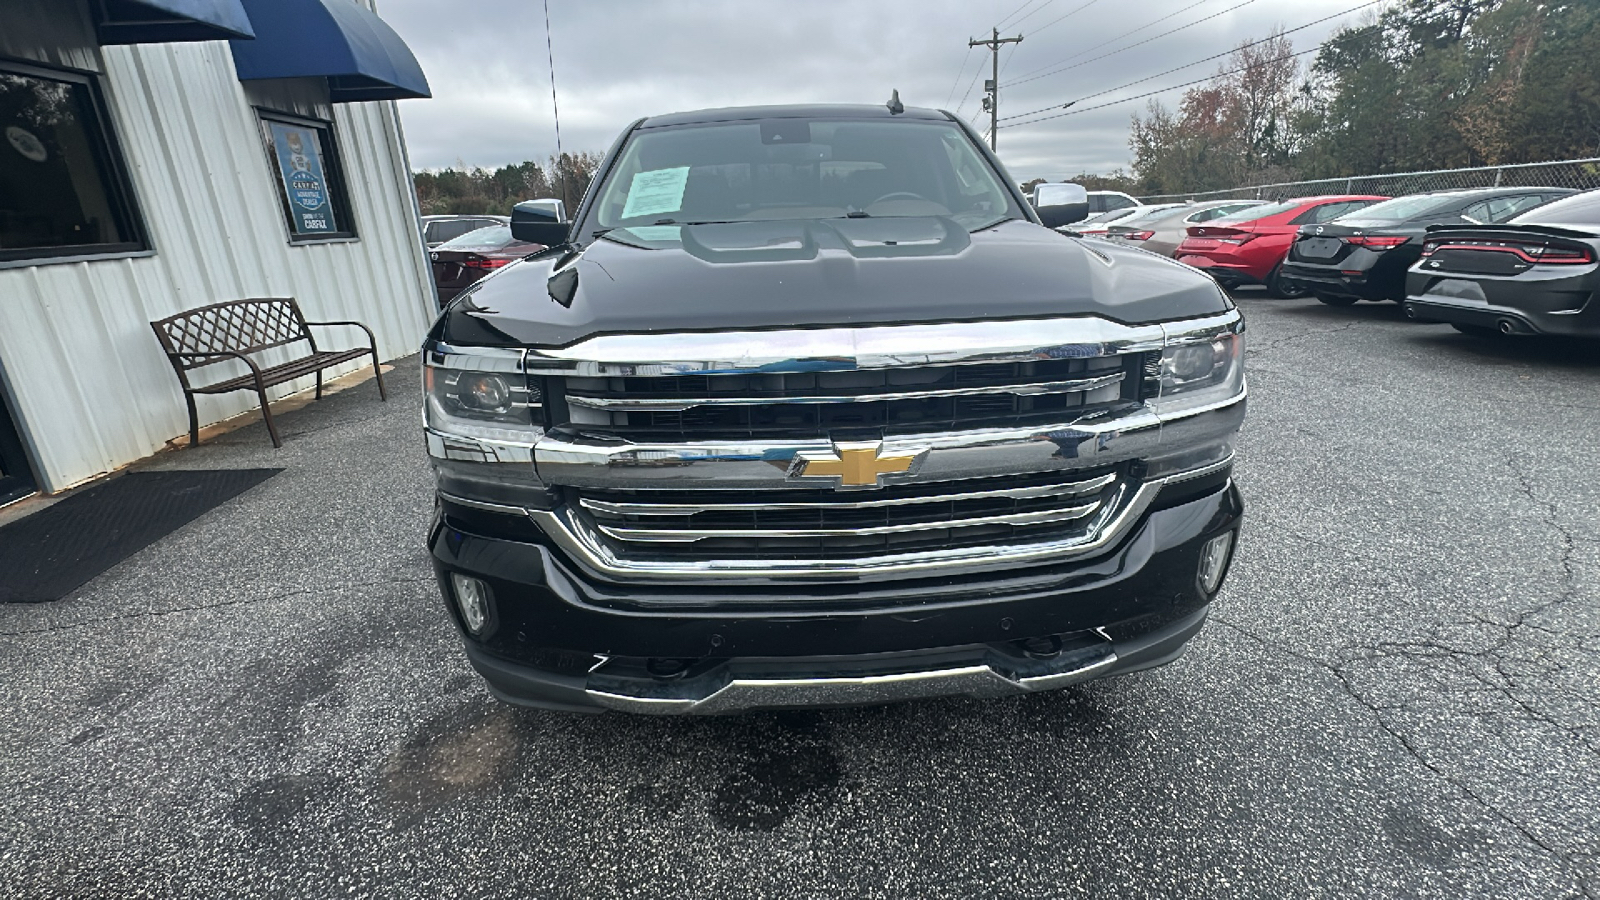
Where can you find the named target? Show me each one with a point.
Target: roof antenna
(894, 104)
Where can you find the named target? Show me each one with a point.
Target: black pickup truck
(808, 407)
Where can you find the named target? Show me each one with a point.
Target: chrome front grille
(1031, 443)
(834, 398)
(827, 525)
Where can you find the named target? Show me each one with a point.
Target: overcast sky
(617, 60)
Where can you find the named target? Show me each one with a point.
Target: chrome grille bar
(690, 535)
(577, 536)
(678, 404)
(1071, 489)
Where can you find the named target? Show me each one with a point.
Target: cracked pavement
(1396, 695)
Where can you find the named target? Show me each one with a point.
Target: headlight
(481, 385)
(483, 415)
(1199, 369)
(506, 398)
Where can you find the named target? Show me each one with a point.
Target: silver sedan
(1161, 230)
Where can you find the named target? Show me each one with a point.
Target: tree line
(1428, 84)
(465, 190)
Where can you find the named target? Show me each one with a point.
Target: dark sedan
(459, 263)
(1538, 274)
(1365, 255)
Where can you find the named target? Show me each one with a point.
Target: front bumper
(565, 641)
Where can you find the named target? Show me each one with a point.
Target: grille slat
(887, 401)
(820, 524)
(678, 404)
(683, 535)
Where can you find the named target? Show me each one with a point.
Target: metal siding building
(88, 386)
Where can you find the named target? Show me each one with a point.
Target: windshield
(1257, 212)
(801, 169)
(493, 236)
(1115, 215)
(1580, 211)
(1147, 214)
(1402, 208)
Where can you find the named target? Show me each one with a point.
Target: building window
(64, 190)
(305, 167)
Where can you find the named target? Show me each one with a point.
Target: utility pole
(991, 88)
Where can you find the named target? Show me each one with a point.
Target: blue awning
(340, 40)
(164, 21)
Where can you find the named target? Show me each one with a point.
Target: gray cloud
(618, 60)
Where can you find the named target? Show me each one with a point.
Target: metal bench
(233, 330)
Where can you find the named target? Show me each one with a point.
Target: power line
(959, 72)
(1031, 14)
(1007, 19)
(977, 73)
(1085, 109)
(1065, 16)
(1136, 43)
(1199, 61)
(1005, 63)
(1174, 87)
(1119, 37)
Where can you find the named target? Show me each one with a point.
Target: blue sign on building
(299, 155)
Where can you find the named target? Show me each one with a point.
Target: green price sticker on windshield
(655, 192)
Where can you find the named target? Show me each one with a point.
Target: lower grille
(826, 525)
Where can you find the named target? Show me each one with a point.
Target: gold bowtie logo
(856, 465)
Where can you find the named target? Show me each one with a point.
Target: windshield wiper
(992, 223)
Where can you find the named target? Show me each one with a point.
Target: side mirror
(1061, 204)
(537, 223)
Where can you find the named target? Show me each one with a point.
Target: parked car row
(1489, 261)
(1161, 229)
(1249, 246)
(1365, 255)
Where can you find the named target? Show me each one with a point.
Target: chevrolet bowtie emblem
(856, 464)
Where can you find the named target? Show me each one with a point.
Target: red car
(1249, 246)
(459, 263)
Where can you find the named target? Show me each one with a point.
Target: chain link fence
(1582, 174)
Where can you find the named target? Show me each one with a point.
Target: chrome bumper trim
(1086, 443)
(502, 508)
(854, 348)
(1073, 489)
(765, 464)
(767, 693)
(678, 404)
(463, 448)
(689, 536)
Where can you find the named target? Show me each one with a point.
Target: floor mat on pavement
(46, 555)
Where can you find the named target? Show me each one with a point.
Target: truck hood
(814, 273)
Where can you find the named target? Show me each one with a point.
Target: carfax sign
(300, 161)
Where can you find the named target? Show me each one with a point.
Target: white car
(1099, 225)
(1106, 201)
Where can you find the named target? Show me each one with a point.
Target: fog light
(472, 598)
(1214, 562)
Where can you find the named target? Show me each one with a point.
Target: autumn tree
(1235, 127)
(1427, 84)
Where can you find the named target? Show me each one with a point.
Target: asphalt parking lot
(1396, 695)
